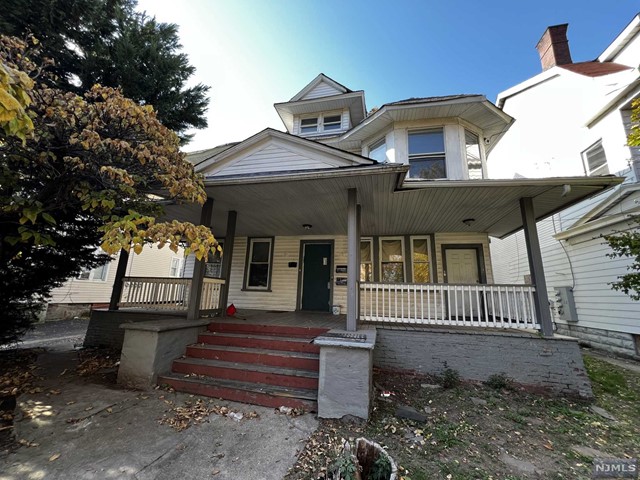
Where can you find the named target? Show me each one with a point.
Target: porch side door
(462, 268)
(316, 277)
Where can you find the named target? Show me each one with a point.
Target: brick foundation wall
(553, 363)
(614, 342)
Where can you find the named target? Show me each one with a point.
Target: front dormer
(323, 109)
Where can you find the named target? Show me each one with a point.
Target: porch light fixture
(468, 221)
(307, 226)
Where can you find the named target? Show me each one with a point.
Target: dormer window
(333, 122)
(321, 123)
(309, 125)
(426, 154)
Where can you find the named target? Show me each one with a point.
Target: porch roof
(281, 204)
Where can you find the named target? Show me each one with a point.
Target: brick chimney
(553, 47)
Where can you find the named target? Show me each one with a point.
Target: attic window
(332, 123)
(595, 160)
(309, 125)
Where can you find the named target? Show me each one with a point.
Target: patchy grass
(507, 438)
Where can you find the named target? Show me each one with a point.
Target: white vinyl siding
(284, 279)
(277, 157)
(152, 262)
(582, 264)
(321, 90)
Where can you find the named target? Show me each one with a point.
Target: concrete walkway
(94, 430)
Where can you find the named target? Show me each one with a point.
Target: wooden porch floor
(297, 319)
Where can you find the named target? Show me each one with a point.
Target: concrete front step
(247, 372)
(260, 356)
(270, 342)
(252, 393)
(276, 330)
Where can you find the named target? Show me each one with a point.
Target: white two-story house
(573, 118)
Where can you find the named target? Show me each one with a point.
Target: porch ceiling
(269, 206)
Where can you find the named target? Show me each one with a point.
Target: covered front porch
(342, 209)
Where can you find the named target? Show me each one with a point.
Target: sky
(254, 53)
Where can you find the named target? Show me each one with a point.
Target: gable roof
(261, 148)
(321, 78)
(200, 156)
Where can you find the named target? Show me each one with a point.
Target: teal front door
(316, 277)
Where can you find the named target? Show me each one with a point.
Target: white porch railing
(498, 306)
(167, 293)
(210, 299)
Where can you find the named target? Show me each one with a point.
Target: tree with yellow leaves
(77, 172)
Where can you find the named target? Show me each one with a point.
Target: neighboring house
(92, 288)
(573, 119)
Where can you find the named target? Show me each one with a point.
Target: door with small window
(316, 277)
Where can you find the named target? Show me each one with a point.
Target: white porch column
(353, 243)
(540, 296)
(195, 292)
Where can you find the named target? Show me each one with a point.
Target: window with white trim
(426, 154)
(98, 274)
(332, 122)
(474, 157)
(378, 151)
(175, 269)
(259, 259)
(392, 259)
(366, 260)
(420, 259)
(309, 125)
(595, 160)
(321, 123)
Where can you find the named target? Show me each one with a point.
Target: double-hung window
(309, 125)
(595, 160)
(392, 260)
(366, 260)
(332, 122)
(426, 154)
(420, 261)
(259, 261)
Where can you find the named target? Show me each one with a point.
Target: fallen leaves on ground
(198, 411)
(19, 375)
(92, 361)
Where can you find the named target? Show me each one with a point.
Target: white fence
(498, 306)
(167, 293)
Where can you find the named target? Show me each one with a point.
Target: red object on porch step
(231, 310)
(269, 365)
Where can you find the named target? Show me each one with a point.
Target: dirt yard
(497, 431)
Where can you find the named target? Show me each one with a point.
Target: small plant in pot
(370, 462)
